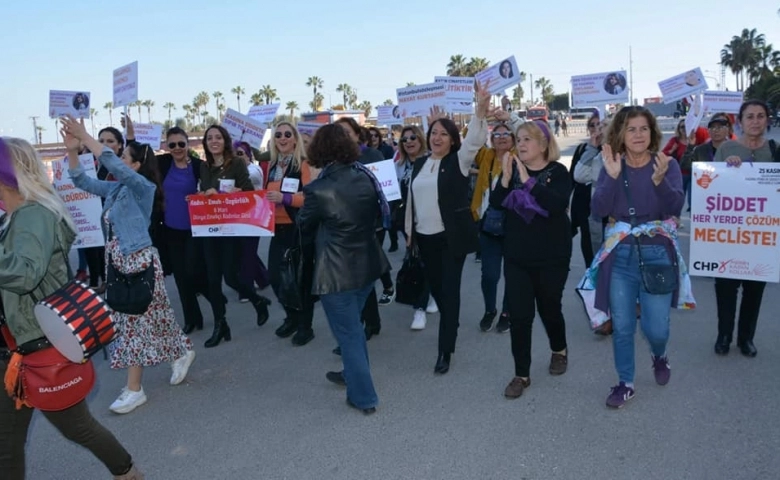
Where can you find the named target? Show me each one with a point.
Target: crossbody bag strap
(631, 209)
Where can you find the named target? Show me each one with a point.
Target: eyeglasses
(501, 134)
(718, 126)
(173, 145)
(593, 125)
(286, 134)
(374, 135)
(410, 138)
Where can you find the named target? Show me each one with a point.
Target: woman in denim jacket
(153, 337)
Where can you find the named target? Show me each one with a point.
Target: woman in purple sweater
(641, 191)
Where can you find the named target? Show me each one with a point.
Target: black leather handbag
(129, 293)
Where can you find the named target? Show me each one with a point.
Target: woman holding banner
(288, 173)
(439, 219)
(753, 118)
(222, 254)
(152, 337)
(37, 235)
(641, 191)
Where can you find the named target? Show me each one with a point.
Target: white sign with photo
(388, 115)
(682, 85)
(598, 89)
(75, 104)
(501, 76)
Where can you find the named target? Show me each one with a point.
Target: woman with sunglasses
(488, 164)
(439, 219)
(752, 146)
(288, 173)
(253, 269)
(180, 174)
(585, 154)
(222, 254)
(411, 146)
(153, 337)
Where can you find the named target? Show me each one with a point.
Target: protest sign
(150, 133)
(460, 93)
(727, 102)
(418, 100)
(388, 115)
(385, 173)
(75, 104)
(84, 208)
(240, 214)
(682, 85)
(242, 128)
(501, 76)
(308, 128)
(598, 89)
(263, 113)
(126, 85)
(735, 220)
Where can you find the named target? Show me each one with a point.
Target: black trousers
(185, 254)
(284, 238)
(726, 291)
(96, 264)
(529, 290)
(579, 220)
(223, 256)
(386, 278)
(443, 270)
(75, 423)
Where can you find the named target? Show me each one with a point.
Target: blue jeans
(492, 254)
(686, 180)
(626, 288)
(82, 259)
(343, 312)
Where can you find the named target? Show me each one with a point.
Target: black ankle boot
(221, 330)
(261, 307)
(288, 328)
(442, 364)
(722, 345)
(190, 327)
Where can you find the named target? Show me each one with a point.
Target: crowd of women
(623, 194)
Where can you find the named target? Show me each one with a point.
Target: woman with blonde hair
(288, 173)
(534, 191)
(37, 234)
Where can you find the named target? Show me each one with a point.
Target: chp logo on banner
(84, 208)
(243, 128)
(126, 85)
(735, 221)
(240, 214)
(460, 93)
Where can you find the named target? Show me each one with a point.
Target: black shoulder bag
(657, 279)
(493, 218)
(129, 293)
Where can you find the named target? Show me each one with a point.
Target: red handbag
(46, 380)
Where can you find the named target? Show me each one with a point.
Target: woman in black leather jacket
(339, 218)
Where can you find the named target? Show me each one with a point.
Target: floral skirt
(153, 337)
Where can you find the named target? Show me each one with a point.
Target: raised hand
(483, 98)
(660, 167)
(500, 114)
(73, 127)
(611, 161)
(506, 168)
(435, 113)
(733, 161)
(72, 144)
(125, 120)
(521, 169)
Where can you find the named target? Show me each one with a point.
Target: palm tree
(316, 83)
(475, 65)
(238, 91)
(217, 97)
(110, 107)
(410, 84)
(345, 91)
(256, 99)
(169, 106)
(292, 107)
(200, 101)
(92, 113)
(188, 113)
(40, 130)
(457, 66)
(204, 115)
(366, 107)
(388, 103)
(546, 89)
(742, 55)
(269, 94)
(316, 103)
(148, 104)
(517, 96)
(221, 111)
(138, 104)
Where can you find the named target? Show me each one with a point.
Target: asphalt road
(259, 408)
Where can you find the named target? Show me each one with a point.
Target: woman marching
(152, 337)
(37, 235)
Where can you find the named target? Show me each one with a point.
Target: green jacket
(33, 252)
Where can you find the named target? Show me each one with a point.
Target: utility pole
(631, 76)
(35, 129)
(531, 76)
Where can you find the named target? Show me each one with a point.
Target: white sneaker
(128, 401)
(181, 366)
(419, 320)
(432, 307)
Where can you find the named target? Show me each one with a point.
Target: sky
(183, 48)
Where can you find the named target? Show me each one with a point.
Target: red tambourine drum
(76, 320)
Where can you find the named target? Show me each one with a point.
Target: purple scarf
(521, 202)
